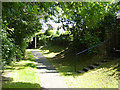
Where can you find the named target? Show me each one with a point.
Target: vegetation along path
(49, 77)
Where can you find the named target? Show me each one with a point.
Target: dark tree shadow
(23, 85)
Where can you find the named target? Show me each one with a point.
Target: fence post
(75, 65)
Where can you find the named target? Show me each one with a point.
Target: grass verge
(22, 74)
(104, 76)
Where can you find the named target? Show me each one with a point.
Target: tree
(86, 18)
(20, 22)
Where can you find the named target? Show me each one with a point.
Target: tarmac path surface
(48, 75)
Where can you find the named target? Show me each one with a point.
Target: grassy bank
(22, 74)
(104, 76)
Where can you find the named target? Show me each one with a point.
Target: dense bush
(10, 51)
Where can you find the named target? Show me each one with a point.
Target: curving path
(49, 77)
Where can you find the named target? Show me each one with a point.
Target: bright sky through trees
(54, 25)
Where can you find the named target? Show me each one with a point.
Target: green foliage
(22, 20)
(49, 32)
(10, 51)
(86, 18)
(42, 39)
(7, 49)
(57, 32)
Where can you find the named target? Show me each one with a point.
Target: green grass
(22, 74)
(104, 76)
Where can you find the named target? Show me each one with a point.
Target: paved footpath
(49, 77)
